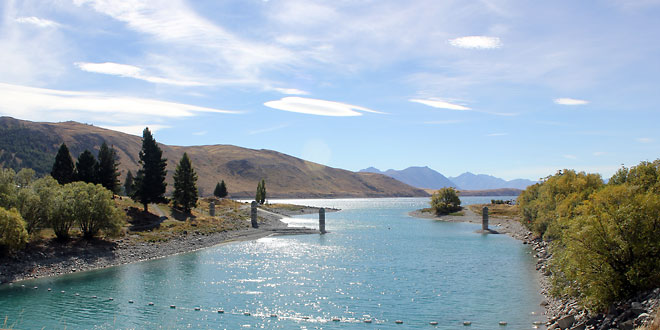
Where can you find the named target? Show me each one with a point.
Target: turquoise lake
(376, 263)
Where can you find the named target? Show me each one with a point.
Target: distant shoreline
(80, 255)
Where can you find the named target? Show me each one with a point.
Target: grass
(653, 326)
(152, 228)
(287, 207)
(497, 210)
(228, 216)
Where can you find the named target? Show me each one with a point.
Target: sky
(515, 89)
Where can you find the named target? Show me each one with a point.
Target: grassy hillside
(31, 144)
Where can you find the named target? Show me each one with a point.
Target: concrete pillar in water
(484, 222)
(212, 209)
(322, 220)
(253, 214)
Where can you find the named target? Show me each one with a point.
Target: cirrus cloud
(570, 101)
(52, 105)
(476, 42)
(130, 71)
(40, 22)
(317, 107)
(442, 104)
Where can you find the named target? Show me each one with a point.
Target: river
(377, 263)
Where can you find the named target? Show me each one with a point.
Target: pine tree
(108, 175)
(128, 184)
(63, 170)
(185, 185)
(86, 167)
(150, 182)
(223, 189)
(220, 190)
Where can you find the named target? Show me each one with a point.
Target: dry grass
(653, 326)
(497, 210)
(228, 216)
(286, 207)
(150, 227)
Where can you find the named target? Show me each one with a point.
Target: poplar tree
(260, 196)
(63, 170)
(108, 175)
(86, 167)
(257, 197)
(263, 191)
(150, 182)
(185, 185)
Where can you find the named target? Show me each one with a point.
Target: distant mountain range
(416, 176)
(426, 178)
(34, 145)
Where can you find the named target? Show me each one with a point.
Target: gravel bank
(53, 258)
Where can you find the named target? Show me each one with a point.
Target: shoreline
(551, 307)
(78, 255)
(565, 312)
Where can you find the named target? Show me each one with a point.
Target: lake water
(376, 261)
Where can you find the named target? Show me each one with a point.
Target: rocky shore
(564, 313)
(53, 258)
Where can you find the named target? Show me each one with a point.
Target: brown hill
(32, 144)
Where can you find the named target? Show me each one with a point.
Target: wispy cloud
(442, 104)
(476, 42)
(50, 104)
(568, 156)
(599, 153)
(267, 129)
(318, 107)
(200, 133)
(135, 129)
(40, 22)
(130, 71)
(194, 40)
(570, 101)
(645, 140)
(291, 91)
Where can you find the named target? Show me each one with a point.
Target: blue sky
(516, 89)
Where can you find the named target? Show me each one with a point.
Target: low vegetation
(497, 210)
(28, 206)
(604, 236)
(445, 201)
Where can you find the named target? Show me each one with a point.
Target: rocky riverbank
(564, 313)
(51, 258)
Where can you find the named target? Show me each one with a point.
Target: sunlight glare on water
(376, 263)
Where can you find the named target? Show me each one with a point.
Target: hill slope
(31, 144)
(416, 176)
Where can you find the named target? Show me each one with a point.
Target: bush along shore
(566, 313)
(563, 312)
(150, 236)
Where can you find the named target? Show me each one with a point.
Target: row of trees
(605, 237)
(87, 168)
(28, 204)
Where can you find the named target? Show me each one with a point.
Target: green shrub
(611, 249)
(445, 201)
(13, 234)
(545, 206)
(94, 209)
